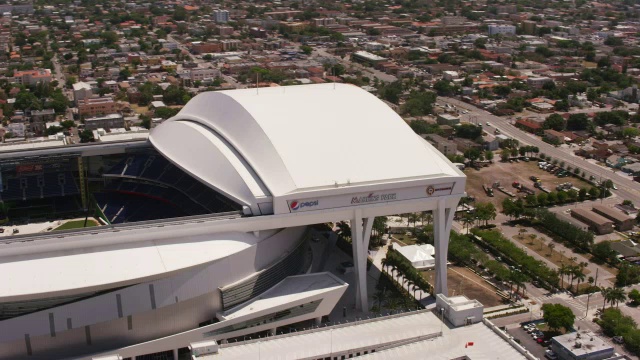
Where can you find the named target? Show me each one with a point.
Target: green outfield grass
(76, 224)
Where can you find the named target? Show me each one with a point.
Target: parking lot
(527, 341)
(506, 173)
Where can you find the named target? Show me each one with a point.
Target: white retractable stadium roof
(262, 147)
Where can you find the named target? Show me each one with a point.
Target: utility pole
(586, 313)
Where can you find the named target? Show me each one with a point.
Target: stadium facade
(206, 231)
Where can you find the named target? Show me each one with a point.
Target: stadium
(206, 227)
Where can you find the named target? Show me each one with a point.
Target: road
(627, 188)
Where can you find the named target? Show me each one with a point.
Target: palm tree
(617, 295)
(573, 271)
(384, 262)
(580, 276)
(533, 238)
(605, 296)
(551, 246)
(467, 219)
(409, 285)
(563, 271)
(428, 217)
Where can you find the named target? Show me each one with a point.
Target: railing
(328, 327)
(119, 227)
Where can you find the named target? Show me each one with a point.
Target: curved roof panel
(310, 137)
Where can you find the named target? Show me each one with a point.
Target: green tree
(634, 296)
(488, 155)
(558, 316)
(468, 131)
(26, 100)
(602, 252)
(627, 274)
(419, 103)
(554, 121)
(614, 323)
(630, 132)
(485, 212)
(86, 136)
(307, 50)
(542, 199)
(578, 122)
(616, 296)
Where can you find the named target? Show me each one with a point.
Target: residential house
(445, 146)
(554, 136)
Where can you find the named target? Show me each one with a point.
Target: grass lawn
(406, 239)
(541, 247)
(76, 224)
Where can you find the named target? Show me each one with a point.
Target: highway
(627, 188)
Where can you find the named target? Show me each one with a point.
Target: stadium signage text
(295, 204)
(432, 190)
(373, 198)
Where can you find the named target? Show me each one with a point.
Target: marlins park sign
(338, 201)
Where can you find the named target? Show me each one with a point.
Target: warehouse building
(622, 222)
(598, 224)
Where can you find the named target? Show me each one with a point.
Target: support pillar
(360, 234)
(272, 332)
(442, 221)
(175, 354)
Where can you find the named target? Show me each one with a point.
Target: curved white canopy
(294, 139)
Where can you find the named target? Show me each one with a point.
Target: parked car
(549, 354)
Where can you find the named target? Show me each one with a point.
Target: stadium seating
(46, 185)
(155, 168)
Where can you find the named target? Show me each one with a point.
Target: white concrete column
(175, 354)
(360, 234)
(442, 220)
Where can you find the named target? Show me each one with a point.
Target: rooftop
(279, 136)
(418, 332)
(591, 216)
(611, 213)
(581, 343)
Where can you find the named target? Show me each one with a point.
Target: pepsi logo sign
(296, 205)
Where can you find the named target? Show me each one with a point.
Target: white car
(488, 123)
(549, 354)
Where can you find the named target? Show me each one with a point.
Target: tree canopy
(558, 316)
(555, 122)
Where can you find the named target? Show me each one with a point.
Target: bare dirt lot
(506, 174)
(461, 281)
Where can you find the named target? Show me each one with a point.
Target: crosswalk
(574, 303)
